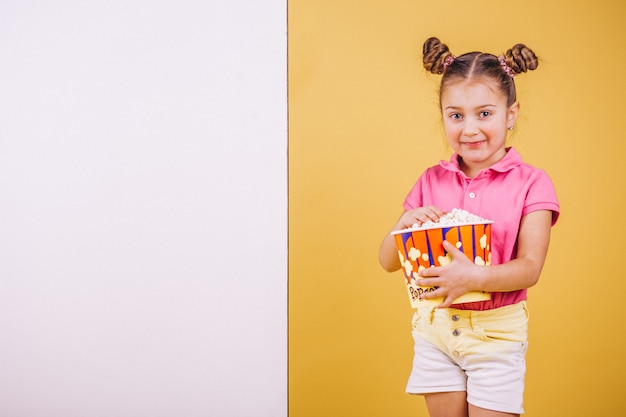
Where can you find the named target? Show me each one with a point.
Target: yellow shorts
(480, 352)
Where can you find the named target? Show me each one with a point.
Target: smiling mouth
(473, 144)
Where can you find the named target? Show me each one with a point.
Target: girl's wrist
(481, 277)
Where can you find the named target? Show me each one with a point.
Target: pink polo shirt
(504, 193)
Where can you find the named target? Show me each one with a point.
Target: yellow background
(364, 123)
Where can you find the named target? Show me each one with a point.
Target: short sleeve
(415, 198)
(542, 196)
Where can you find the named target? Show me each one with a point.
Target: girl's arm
(388, 252)
(462, 275)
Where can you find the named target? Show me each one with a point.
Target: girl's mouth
(472, 144)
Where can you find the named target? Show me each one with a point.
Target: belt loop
(472, 319)
(426, 313)
(525, 307)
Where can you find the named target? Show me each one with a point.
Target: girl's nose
(469, 128)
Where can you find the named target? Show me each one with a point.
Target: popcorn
(455, 217)
(421, 247)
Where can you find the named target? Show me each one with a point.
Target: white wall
(143, 208)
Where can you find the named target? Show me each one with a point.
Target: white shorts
(480, 352)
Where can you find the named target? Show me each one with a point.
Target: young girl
(470, 358)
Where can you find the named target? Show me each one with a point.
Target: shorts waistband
(469, 318)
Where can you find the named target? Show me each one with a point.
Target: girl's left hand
(455, 279)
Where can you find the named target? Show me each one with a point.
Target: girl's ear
(512, 114)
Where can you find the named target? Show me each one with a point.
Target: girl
(470, 358)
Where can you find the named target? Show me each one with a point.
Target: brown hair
(439, 60)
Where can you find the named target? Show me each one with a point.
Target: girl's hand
(459, 277)
(388, 253)
(418, 215)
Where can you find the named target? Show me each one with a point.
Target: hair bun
(435, 54)
(521, 59)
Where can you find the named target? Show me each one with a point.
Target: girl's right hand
(418, 216)
(388, 253)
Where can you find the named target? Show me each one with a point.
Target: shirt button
(455, 317)
(456, 332)
(472, 195)
(455, 353)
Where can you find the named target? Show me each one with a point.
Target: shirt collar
(511, 160)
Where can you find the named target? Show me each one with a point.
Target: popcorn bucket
(422, 248)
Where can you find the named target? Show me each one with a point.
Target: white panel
(143, 254)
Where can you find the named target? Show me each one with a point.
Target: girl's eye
(455, 116)
(485, 113)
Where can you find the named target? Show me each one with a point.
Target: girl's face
(476, 119)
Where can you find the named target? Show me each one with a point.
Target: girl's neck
(469, 171)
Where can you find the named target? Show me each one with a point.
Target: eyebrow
(482, 106)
